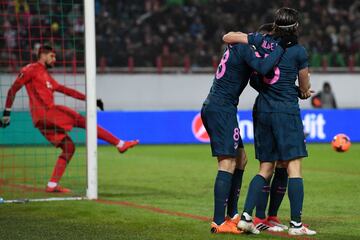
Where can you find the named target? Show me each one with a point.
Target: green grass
(180, 179)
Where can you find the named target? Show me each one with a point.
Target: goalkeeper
(54, 121)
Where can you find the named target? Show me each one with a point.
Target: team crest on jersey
(49, 85)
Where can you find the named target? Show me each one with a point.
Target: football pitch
(166, 192)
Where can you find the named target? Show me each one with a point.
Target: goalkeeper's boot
(127, 145)
(263, 224)
(57, 189)
(234, 220)
(299, 229)
(225, 227)
(274, 220)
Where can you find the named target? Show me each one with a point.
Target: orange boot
(225, 227)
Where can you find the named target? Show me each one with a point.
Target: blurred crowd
(25, 25)
(173, 32)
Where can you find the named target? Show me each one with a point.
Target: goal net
(27, 159)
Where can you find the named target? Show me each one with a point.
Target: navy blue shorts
(278, 136)
(222, 126)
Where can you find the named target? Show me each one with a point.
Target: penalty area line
(185, 215)
(155, 209)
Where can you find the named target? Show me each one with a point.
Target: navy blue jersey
(279, 93)
(235, 68)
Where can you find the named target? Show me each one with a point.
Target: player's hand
(100, 104)
(305, 95)
(256, 81)
(5, 121)
(271, 74)
(288, 41)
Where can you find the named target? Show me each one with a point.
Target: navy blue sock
(296, 197)
(262, 201)
(221, 194)
(255, 187)
(278, 190)
(235, 192)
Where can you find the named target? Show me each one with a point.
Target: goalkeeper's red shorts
(56, 123)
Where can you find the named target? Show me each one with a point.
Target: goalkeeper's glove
(100, 104)
(6, 118)
(288, 41)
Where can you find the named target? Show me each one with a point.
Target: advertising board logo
(199, 130)
(314, 125)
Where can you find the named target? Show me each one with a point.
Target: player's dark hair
(266, 28)
(286, 21)
(45, 49)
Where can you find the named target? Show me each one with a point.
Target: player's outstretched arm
(235, 37)
(76, 94)
(20, 81)
(70, 92)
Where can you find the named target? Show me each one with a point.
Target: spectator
(325, 98)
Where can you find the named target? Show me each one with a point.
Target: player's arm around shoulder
(254, 38)
(261, 65)
(235, 37)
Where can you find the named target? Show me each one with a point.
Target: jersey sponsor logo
(199, 130)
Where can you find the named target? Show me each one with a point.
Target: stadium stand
(177, 33)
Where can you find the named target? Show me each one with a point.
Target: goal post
(90, 75)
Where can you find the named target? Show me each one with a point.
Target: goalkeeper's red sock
(58, 172)
(107, 136)
(102, 133)
(68, 150)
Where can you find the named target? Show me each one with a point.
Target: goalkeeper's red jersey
(40, 87)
